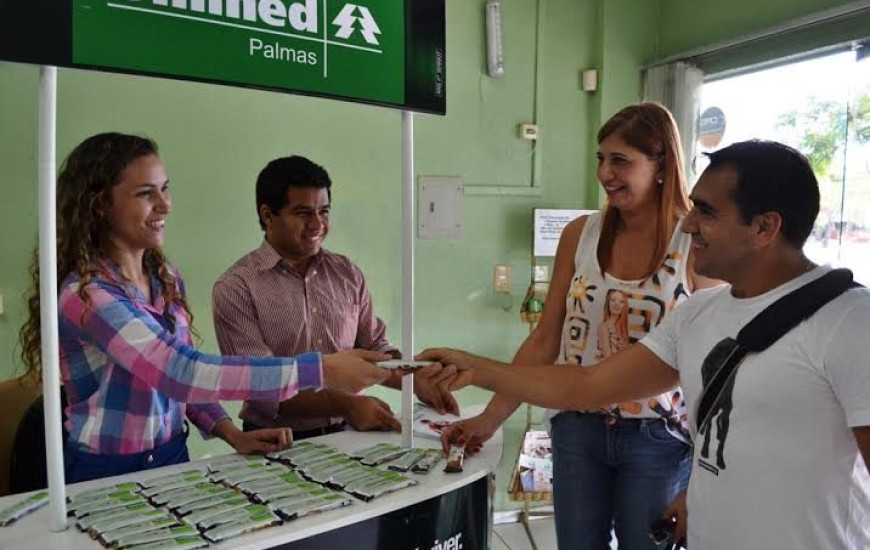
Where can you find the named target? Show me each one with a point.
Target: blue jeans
(621, 477)
(84, 466)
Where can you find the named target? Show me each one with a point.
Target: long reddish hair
(651, 129)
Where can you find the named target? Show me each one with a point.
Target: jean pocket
(657, 432)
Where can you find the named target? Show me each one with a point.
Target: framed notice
(549, 223)
(388, 52)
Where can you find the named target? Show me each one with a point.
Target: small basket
(516, 493)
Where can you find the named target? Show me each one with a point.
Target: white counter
(32, 533)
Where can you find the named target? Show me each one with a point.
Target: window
(822, 108)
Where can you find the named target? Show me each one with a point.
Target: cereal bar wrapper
(455, 459)
(24, 507)
(265, 519)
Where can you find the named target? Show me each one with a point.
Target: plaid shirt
(131, 373)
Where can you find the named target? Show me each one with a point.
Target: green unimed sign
(388, 52)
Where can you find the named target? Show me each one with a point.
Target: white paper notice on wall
(549, 223)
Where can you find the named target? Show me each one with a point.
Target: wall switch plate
(501, 278)
(541, 274)
(529, 131)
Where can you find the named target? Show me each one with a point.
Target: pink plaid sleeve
(136, 342)
(205, 415)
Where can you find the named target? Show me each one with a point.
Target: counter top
(32, 533)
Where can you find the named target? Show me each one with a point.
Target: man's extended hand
(678, 511)
(366, 413)
(353, 371)
(448, 357)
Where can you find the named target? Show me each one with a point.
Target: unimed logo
(302, 16)
(346, 20)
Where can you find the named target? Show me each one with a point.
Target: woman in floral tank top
(617, 274)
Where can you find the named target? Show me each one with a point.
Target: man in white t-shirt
(783, 465)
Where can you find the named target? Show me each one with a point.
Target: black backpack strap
(766, 328)
(786, 313)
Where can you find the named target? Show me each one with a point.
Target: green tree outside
(819, 130)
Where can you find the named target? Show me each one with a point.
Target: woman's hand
(264, 440)
(353, 371)
(472, 433)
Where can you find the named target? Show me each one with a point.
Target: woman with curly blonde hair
(130, 371)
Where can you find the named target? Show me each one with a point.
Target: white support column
(409, 209)
(48, 295)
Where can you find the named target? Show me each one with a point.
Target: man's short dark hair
(772, 177)
(281, 174)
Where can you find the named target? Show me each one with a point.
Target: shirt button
(319, 341)
(314, 310)
(314, 272)
(149, 459)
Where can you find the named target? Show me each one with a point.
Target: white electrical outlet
(501, 278)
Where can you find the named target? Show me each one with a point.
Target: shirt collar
(266, 258)
(113, 274)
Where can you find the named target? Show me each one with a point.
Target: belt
(614, 420)
(304, 434)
